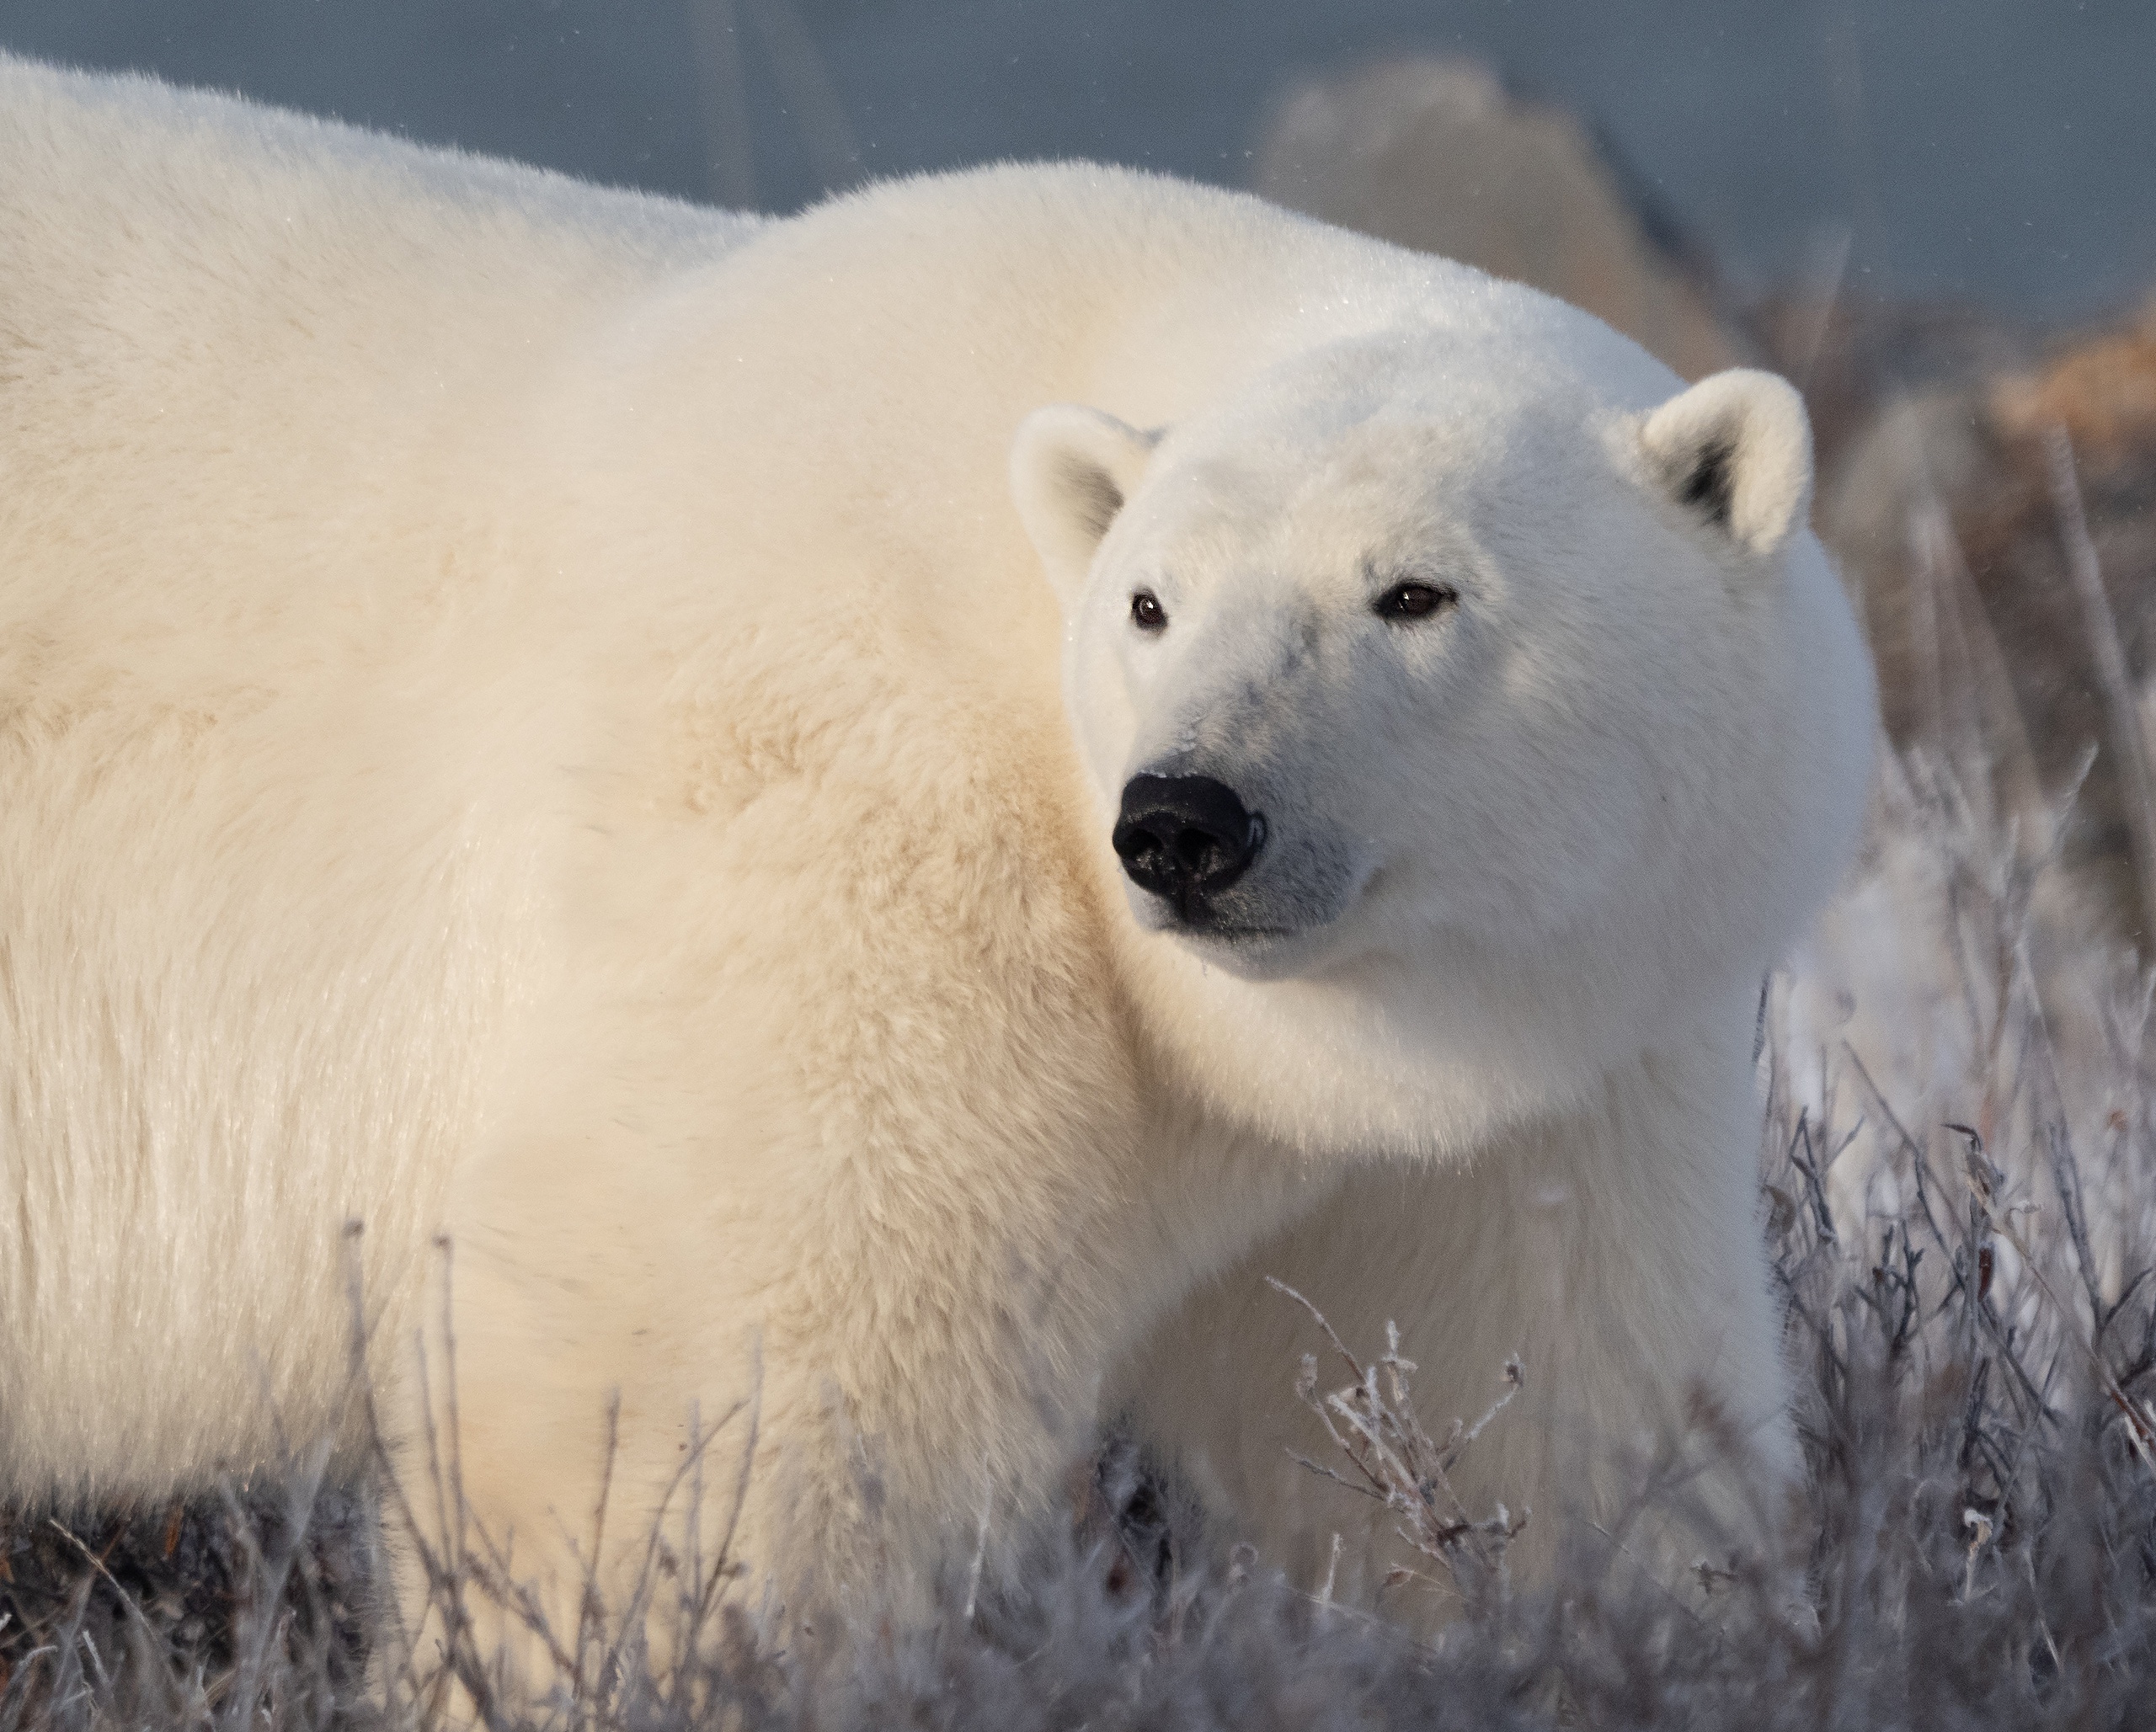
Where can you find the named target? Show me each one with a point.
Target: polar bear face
(1419, 678)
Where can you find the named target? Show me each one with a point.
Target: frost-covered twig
(1373, 1423)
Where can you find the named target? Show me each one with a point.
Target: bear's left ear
(1071, 468)
(1736, 450)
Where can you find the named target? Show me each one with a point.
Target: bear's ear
(1736, 450)
(1071, 468)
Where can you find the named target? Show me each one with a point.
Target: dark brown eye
(1413, 601)
(1146, 612)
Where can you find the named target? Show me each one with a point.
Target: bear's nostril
(1135, 844)
(1192, 848)
(1183, 837)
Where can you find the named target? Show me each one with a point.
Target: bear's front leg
(1614, 1247)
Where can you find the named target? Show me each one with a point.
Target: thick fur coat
(589, 730)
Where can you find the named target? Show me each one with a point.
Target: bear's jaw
(1336, 1044)
(1250, 953)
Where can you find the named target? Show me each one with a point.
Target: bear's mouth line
(1185, 927)
(1195, 922)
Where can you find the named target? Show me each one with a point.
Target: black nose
(1185, 836)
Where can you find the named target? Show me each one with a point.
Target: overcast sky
(1997, 149)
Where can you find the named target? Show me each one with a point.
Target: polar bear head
(1443, 713)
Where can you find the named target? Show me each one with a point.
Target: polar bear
(868, 817)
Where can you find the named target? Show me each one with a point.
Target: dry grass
(1976, 1544)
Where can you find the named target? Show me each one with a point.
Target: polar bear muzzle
(1186, 838)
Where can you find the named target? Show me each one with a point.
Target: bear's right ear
(1071, 468)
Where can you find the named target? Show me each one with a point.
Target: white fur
(528, 712)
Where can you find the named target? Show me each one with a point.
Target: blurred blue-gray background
(1996, 150)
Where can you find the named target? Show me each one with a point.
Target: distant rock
(1947, 517)
(1434, 154)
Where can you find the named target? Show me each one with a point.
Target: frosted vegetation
(1959, 1203)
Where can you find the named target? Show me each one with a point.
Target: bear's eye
(1413, 601)
(1146, 612)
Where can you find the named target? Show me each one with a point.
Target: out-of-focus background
(1996, 149)
(1937, 217)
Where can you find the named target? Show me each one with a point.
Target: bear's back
(263, 811)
